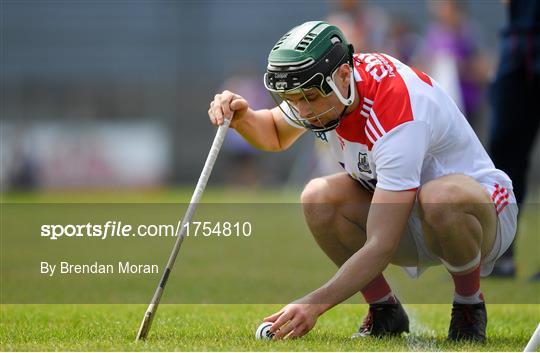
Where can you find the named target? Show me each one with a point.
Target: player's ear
(344, 74)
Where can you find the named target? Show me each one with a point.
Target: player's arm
(266, 129)
(387, 220)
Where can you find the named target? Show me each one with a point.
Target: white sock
(476, 298)
(386, 298)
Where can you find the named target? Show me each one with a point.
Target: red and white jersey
(406, 131)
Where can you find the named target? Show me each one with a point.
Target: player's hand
(227, 105)
(294, 320)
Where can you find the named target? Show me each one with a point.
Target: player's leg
(459, 219)
(336, 208)
(459, 223)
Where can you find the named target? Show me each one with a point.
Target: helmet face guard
(314, 122)
(302, 71)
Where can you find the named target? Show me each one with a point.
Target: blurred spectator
(242, 168)
(371, 29)
(402, 40)
(365, 26)
(514, 96)
(451, 54)
(21, 167)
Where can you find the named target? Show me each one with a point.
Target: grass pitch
(221, 327)
(231, 327)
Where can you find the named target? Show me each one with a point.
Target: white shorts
(505, 205)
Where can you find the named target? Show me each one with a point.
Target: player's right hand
(227, 105)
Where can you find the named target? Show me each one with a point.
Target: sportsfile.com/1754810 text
(112, 229)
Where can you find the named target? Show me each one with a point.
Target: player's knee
(442, 192)
(317, 203)
(440, 205)
(316, 191)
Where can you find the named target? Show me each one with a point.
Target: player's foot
(468, 322)
(384, 319)
(504, 268)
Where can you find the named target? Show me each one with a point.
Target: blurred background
(114, 94)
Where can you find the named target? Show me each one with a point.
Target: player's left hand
(294, 320)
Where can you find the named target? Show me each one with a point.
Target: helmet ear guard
(343, 100)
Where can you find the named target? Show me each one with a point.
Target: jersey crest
(363, 163)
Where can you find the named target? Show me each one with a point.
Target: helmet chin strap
(345, 101)
(334, 123)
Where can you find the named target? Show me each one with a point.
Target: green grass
(207, 272)
(231, 328)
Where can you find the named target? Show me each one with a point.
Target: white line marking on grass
(413, 339)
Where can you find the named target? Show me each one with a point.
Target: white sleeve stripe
(377, 123)
(373, 130)
(398, 166)
(369, 101)
(369, 136)
(364, 114)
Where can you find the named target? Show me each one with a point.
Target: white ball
(262, 331)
